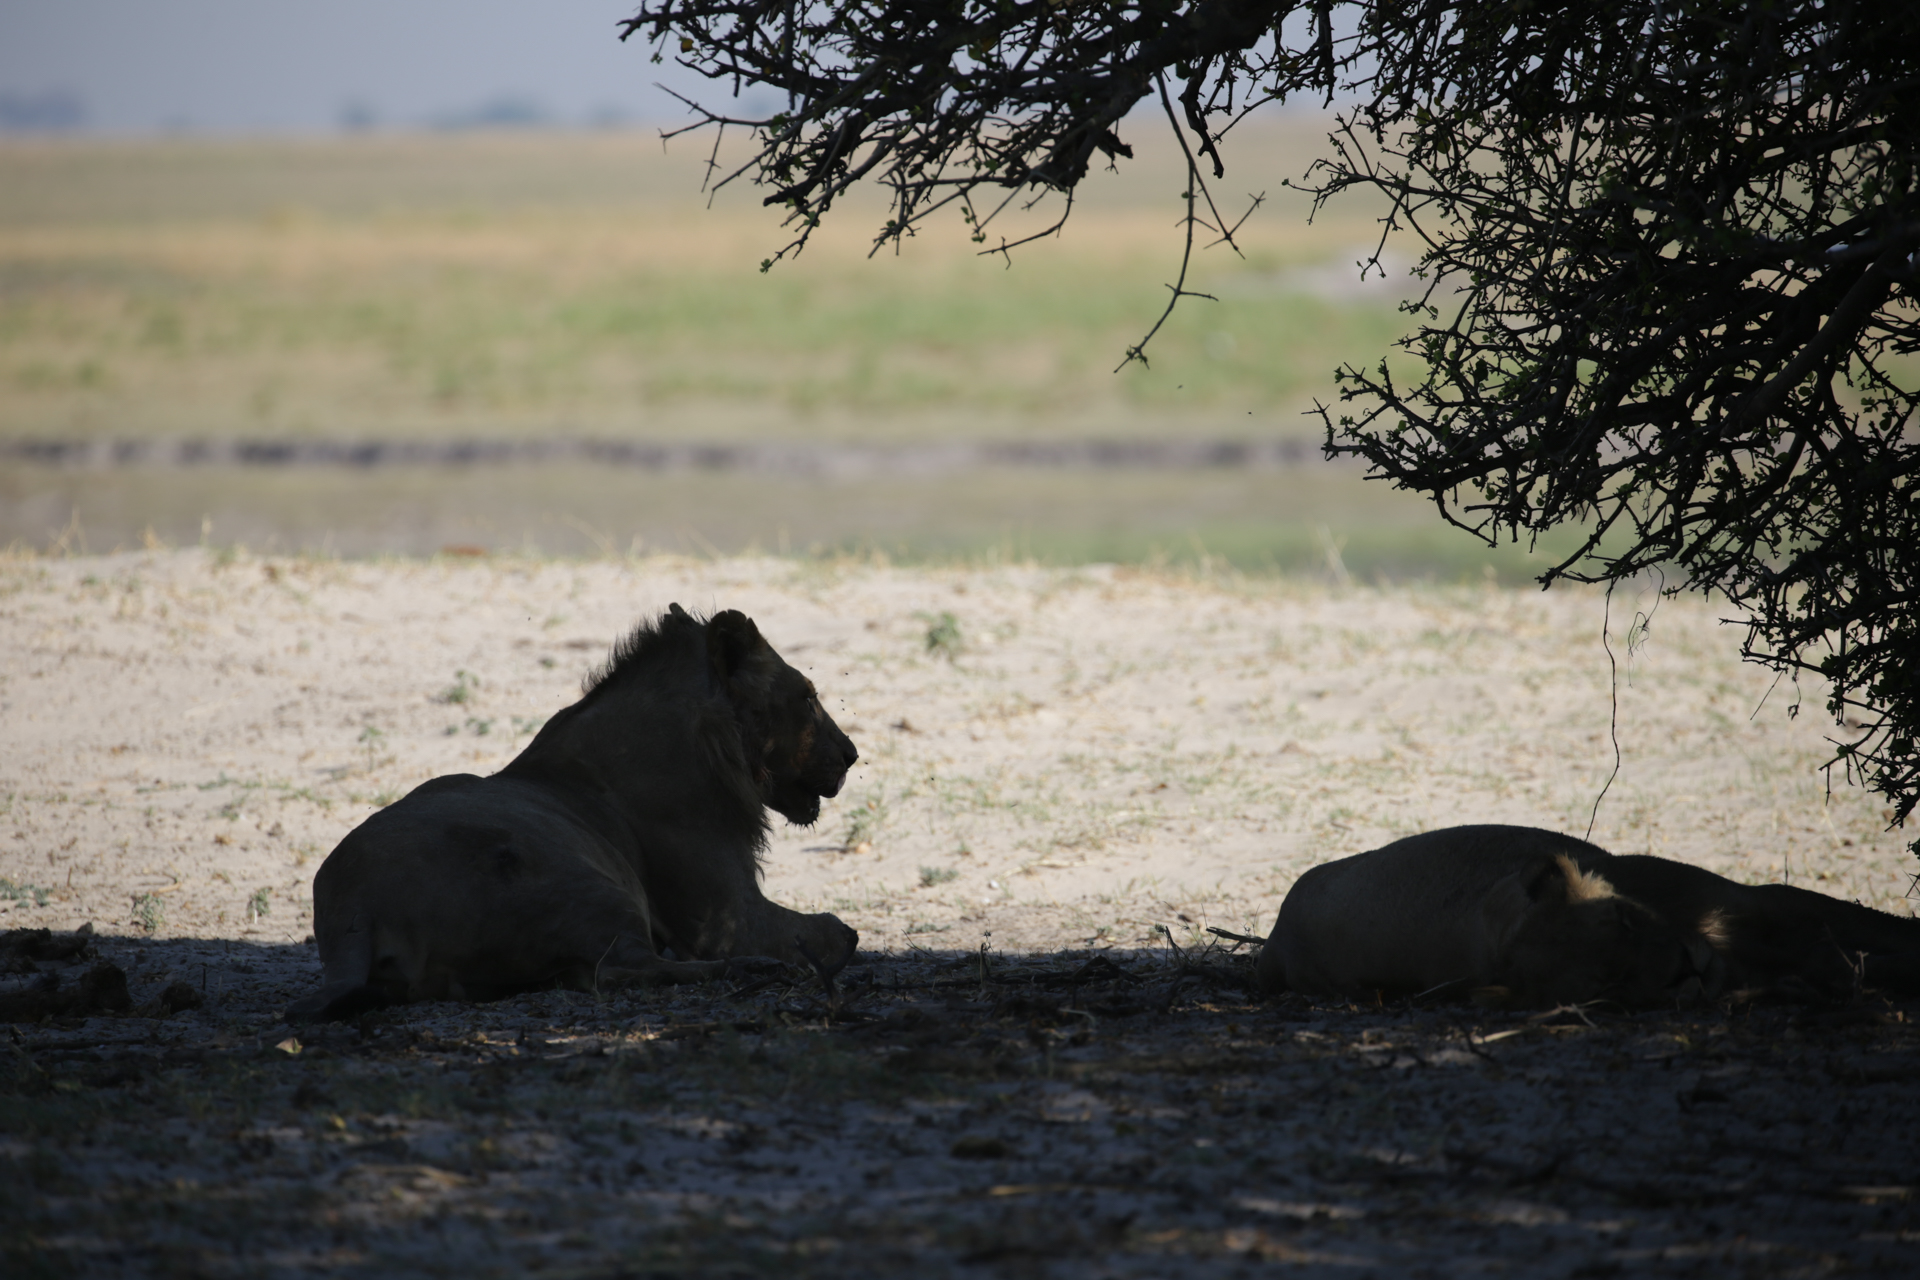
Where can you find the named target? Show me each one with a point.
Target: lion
(1522, 916)
(621, 847)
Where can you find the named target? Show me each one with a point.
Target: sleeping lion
(1517, 915)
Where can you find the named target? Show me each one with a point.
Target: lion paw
(754, 967)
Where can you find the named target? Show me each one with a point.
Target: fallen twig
(1473, 1046)
(1577, 1010)
(1448, 985)
(1101, 965)
(825, 975)
(1178, 954)
(1173, 989)
(755, 987)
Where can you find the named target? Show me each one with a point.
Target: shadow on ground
(1068, 1114)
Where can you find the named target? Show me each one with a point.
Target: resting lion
(631, 824)
(1517, 915)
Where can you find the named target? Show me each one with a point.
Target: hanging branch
(1669, 251)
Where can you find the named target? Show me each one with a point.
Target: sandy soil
(1105, 751)
(1057, 766)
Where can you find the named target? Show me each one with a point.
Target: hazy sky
(238, 66)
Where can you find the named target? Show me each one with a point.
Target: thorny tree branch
(1675, 243)
(943, 101)
(1675, 246)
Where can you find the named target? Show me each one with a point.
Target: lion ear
(732, 642)
(1547, 882)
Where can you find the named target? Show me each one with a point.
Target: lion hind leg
(337, 1003)
(347, 990)
(630, 961)
(660, 973)
(1270, 970)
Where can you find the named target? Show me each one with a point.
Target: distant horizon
(57, 115)
(340, 133)
(268, 68)
(127, 68)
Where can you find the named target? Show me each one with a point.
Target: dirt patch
(1068, 776)
(1068, 1113)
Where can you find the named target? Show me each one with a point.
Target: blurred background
(377, 278)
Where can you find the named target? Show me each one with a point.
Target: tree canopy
(1668, 251)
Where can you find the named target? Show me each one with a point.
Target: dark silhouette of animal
(1517, 915)
(622, 847)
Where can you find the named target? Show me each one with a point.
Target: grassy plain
(529, 284)
(600, 322)
(546, 285)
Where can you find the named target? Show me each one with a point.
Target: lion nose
(849, 754)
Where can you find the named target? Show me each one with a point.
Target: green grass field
(576, 283)
(521, 286)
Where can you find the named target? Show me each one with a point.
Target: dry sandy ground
(1057, 765)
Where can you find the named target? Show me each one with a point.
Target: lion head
(795, 752)
(1583, 940)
